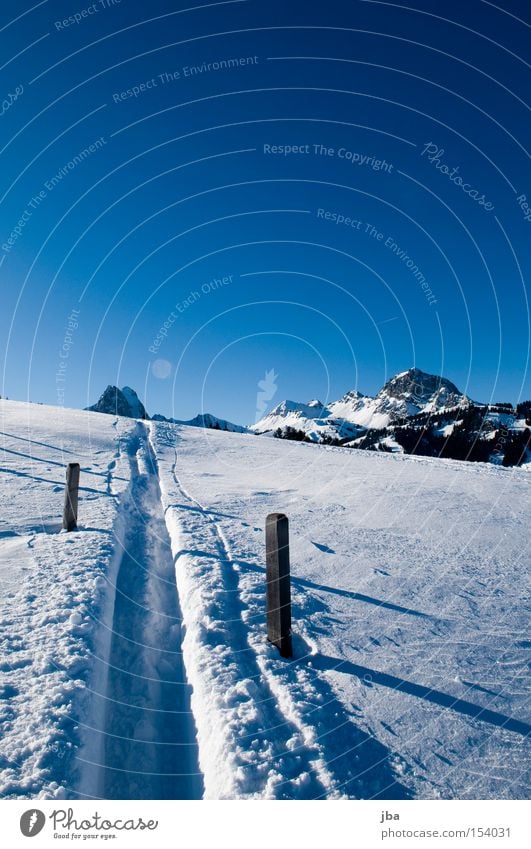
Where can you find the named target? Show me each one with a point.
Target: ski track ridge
(148, 747)
(310, 725)
(281, 725)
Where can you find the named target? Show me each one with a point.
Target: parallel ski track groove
(145, 737)
(275, 718)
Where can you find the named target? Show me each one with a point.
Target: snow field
(57, 589)
(134, 660)
(409, 591)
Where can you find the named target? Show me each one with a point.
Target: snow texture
(134, 659)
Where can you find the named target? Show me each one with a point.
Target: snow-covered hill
(409, 616)
(204, 420)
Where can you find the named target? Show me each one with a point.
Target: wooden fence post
(278, 590)
(71, 497)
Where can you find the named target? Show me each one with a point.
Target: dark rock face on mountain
(120, 402)
(415, 391)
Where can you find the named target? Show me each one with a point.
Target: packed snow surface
(134, 659)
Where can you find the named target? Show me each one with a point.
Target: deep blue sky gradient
(180, 193)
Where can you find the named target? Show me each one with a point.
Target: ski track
(142, 701)
(148, 747)
(284, 739)
(281, 749)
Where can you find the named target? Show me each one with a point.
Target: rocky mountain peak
(418, 384)
(120, 402)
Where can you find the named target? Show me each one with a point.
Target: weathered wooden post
(278, 590)
(71, 497)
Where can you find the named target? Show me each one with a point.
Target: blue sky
(192, 197)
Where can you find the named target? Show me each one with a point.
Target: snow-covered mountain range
(414, 413)
(407, 394)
